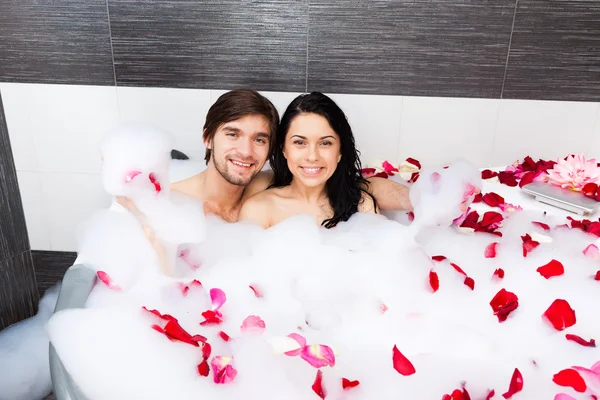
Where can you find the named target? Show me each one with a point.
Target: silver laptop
(566, 199)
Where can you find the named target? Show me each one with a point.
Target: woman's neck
(311, 195)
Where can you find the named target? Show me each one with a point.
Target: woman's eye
(326, 143)
(298, 142)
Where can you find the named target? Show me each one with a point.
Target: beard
(222, 167)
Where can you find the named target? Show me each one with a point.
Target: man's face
(240, 148)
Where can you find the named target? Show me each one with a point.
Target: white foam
(331, 287)
(24, 354)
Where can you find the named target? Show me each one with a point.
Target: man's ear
(207, 143)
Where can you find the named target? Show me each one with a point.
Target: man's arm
(389, 195)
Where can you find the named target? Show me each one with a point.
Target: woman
(316, 168)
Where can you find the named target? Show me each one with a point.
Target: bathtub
(79, 280)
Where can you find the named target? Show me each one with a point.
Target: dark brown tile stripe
(63, 41)
(555, 51)
(18, 293)
(50, 267)
(210, 44)
(443, 48)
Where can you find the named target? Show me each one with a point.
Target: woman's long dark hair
(346, 186)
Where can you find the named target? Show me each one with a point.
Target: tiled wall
(488, 80)
(55, 130)
(18, 294)
(518, 49)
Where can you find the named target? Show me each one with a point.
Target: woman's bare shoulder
(367, 204)
(258, 208)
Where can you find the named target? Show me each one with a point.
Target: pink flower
(575, 172)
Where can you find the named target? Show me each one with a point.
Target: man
(238, 136)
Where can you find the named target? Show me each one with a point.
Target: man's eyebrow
(231, 129)
(263, 134)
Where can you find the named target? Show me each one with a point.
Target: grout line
(112, 53)
(402, 98)
(307, 32)
(512, 28)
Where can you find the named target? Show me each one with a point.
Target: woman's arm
(157, 245)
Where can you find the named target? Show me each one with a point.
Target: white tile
(281, 100)
(542, 129)
(594, 150)
(181, 112)
(437, 131)
(30, 187)
(16, 99)
(375, 122)
(69, 199)
(68, 123)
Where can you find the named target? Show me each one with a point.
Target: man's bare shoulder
(189, 186)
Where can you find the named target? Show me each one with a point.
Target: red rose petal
(211, 318)
(491, 394)
(553, 268)
(516, 384)
(478, 198)
(438, 258)
(570, 378)
(597, 277)
(411, 216)
(414, 162)
(401, 363)
(491, 219)
(493, 199)
(503, 303)
(206, 350)
(256, 291)
(107, 280)
(528, 244)
(458, 269)
(348, 384)
(527, 178)
(368, 171)
(383, 308)
(507, 178)
(590, 189)
(381, 174)
(203, 368)
(490, 250)
(488, 174)
(154, 181)
(434, 281)
(224, 336)
(580, 340)
(317, 386)
(470, 282)
(560, 315)
(542, 225)
(499, 273)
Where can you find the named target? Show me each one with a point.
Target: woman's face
(312, 149)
